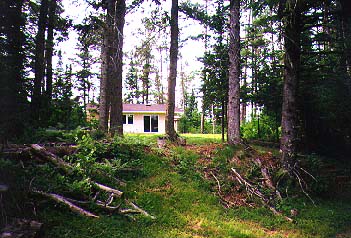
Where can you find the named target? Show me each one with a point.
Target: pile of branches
(98, 196)
(261, 177)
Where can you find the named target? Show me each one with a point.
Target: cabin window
(128, 119)
(151, 123)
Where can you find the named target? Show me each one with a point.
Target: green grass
(184, 208)
(150, 139)
(185, 205)
(200, 139)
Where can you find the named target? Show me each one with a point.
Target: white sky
(191, 50)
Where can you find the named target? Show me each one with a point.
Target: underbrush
(76, 179)
(178, 185)
(325, 216)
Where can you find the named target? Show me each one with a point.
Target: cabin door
(151, 123)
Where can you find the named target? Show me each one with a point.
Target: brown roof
(148, 108)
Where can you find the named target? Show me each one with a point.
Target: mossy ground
(185, 205)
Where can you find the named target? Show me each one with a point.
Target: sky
(191, 50)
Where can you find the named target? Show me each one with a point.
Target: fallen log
(68, 168)
(107, 207)
(63, 200)
(50, 157)
(105, 188)
(138, 209)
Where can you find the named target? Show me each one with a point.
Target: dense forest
(288, 61)
(274, 90)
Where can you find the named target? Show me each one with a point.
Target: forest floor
(175, 186)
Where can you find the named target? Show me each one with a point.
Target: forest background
(274, 72)
(59, 91)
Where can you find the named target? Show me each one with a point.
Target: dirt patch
(207, 150)
(231, 195)
(164, 189)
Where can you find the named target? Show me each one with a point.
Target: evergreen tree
(132, 95)
(234, 74)
(111, 76)
(116, 67)
(170, 131)
(50, 51)
(292, 11)
(12, 61)
(62, 103)
(48, 23)
(39, 68)
(89, 40)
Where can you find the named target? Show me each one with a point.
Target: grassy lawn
(198, 139)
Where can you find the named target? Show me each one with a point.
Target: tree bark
(48, 57)
(145, 77)
(170, 131)
(39, 67)
(104, 96)
(116, 63)
(50, 48)
(223, 112)
(234, 75)
(60, 199)
(292, 35)
(12, 96)
(345, 16)
(104, 108)
(202, 126)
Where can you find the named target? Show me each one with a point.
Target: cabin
(142, 118)
(147, 118)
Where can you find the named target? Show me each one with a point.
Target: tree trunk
(213, 119)
(234, 74)
(161, 92)
(84, 80)
(39, 67)
(48, 55)
(223, 112)
(158, 85)
(12, 96)
(116, 64)
(183, 88)
(170, 131)
(202, 126)
(146, 80)
(244, 104)
(346, 39)
(104, 108)
(292, 35)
